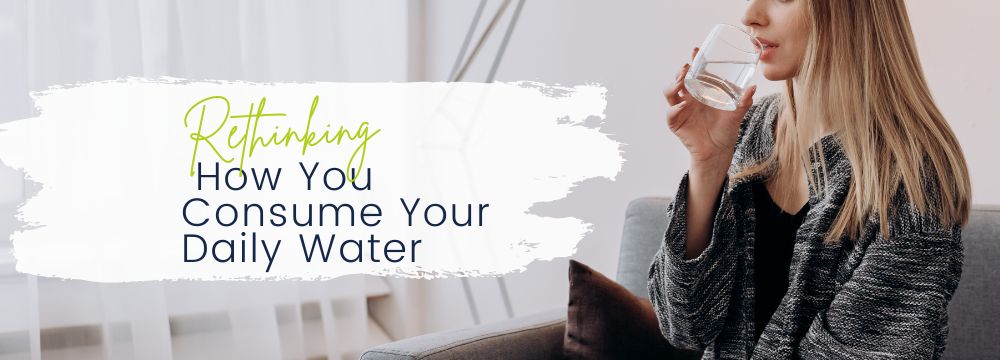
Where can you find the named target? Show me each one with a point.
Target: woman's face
(782, 26)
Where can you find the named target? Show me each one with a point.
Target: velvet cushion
(606, 321)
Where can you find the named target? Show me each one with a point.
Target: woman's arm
(693, 274)
(704, 182)
(895, 305)
(691, 296)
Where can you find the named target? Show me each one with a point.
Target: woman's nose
(754, 15)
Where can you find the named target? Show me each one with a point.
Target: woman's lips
(769, 49)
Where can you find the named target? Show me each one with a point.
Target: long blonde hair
(861, 76)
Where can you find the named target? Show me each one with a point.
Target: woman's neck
(798, 93)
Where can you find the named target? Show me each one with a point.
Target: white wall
(634, 47)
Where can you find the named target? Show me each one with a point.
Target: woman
(813, 224)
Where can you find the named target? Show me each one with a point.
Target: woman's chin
(774, 73)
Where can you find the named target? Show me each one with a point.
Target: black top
(772, 253)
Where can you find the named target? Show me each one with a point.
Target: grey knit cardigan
(871, 298)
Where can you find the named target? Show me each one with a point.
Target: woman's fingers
(673, 113)
(673, 92)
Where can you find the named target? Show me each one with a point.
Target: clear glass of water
(723, 67)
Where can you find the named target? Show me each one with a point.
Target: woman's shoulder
(762, 110)
(765, 102)
(756, 136)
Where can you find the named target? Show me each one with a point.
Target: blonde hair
(861, 76)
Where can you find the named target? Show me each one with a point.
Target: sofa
(974, 312)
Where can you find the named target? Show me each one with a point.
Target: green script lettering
(248, 138)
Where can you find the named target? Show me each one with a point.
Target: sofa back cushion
(974, 311)
(642, 234)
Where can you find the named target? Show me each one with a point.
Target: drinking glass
(723, 67)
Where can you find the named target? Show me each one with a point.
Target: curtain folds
(47, 43)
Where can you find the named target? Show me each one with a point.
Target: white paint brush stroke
(112, 159)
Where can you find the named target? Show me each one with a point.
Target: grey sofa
(974, 316)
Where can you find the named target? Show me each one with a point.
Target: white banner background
(113, 157)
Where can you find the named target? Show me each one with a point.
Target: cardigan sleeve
(895, 305)
(691, 297)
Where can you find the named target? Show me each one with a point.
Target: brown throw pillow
(606, 321)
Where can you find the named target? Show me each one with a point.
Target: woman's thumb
(747, 99)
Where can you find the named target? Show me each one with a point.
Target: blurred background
(632, 47)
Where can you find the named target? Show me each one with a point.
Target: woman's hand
(708, 134)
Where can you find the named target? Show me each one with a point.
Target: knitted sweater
(870, 298)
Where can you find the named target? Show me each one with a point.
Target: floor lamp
(457, 74)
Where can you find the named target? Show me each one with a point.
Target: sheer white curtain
(45, 43)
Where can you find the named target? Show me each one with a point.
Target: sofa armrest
(537, 336)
